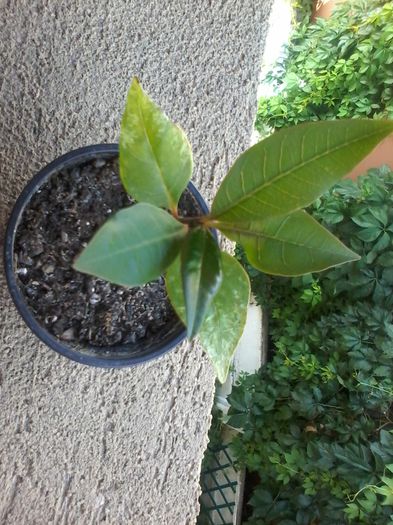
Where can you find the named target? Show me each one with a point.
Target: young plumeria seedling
(259, 205)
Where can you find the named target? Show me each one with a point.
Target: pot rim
(93, 356)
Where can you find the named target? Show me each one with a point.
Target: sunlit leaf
(290, 245)
(291, 168)
(155, 155)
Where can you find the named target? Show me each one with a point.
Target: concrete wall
(81, 445)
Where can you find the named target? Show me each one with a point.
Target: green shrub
(336, 68)
(317, 419)
(302, 10)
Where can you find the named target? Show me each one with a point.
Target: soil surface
(58, 222)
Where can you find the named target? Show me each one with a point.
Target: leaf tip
(77, 264)
(222, 376)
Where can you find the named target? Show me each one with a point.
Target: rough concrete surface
(87, 446)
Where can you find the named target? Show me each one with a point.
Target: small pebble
(48, 268)
(64, 236)
(99, 163)
(30, 291)
(37, 249)
(68, 335)
(50, 297)
(25, 259)
(95, 298)
(117, 337)
(21, 271)
(50, 319)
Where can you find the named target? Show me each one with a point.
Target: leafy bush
(335, 68)
(317, 419)
(302, 10)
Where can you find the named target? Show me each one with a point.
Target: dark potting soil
(60, 219)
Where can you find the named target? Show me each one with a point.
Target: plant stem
(353, 498)
(193, 221)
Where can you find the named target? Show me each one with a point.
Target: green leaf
(133, 247)
(356, 456)
(386, 439)
(155, 155)
(352, 511)
(383, 371)
(387, 275)
(369, 501)
(386, 491)
(366, 220)
(369, 234)
(291, 168)
(201, 276)
(291, 245)
(226, 316)
(386, 259)
(381, 214)
(383, 242)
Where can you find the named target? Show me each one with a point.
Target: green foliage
(317, 420)
(291, 245)
(302, 10)
(276, 177)
(201, 276)
(289, 170)
(134, 246)
(214, 438)
(336, 68)
(209, 460)
(150, 144)
(224, 323)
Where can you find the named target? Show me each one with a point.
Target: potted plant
(83, 318)
(259, 205)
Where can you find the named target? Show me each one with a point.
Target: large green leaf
(155, 155)
(291, 168)
(201, 275)
(133, 247)
(226, 316)
(289, 245)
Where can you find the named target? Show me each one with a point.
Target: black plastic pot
(114, 356)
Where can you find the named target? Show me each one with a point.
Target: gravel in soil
(60, 219)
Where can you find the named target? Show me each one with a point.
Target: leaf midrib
(135, 246)
(291, 170)
(223, 227)
(169, 196)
